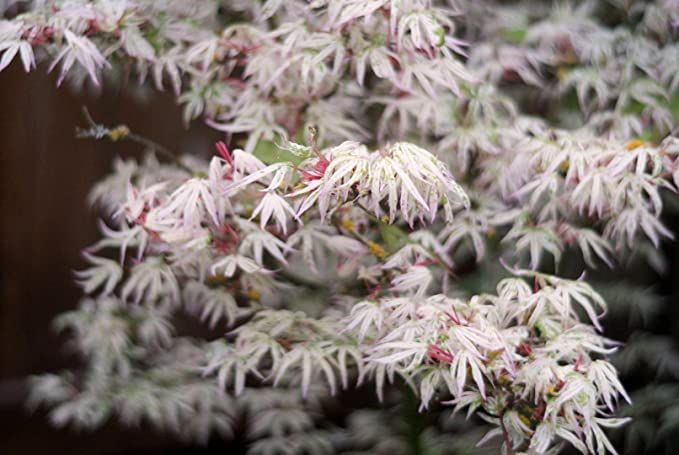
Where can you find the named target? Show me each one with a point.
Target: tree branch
(98, 131)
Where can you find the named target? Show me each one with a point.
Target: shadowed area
(45, 176)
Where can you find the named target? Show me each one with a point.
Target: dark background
(45, 176)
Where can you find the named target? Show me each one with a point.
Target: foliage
(386, 161)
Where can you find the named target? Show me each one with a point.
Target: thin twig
(437, 258)
(365, 209)
(353, 233)
(440, 261)
(88, 117)
(431, 252)
(122, 133)
(141, 140)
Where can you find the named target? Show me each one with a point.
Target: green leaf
(634, 107)
(394, 238)
(441, 34)
(674, 105)
(516, 35)
(648, 136)
(269, 153)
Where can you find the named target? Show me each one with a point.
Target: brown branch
(98, 131)
(431, 252)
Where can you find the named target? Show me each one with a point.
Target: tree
(399, 187)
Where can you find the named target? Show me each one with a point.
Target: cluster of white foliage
(522, 358)
(326, 266)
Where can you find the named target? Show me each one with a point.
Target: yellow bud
(565, 164)
(377, 250)
(525, 420)
(118, 133)
(347, 224)
(384, 219)
(634, 143)
(253, 294)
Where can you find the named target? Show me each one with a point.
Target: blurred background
(45, 176)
